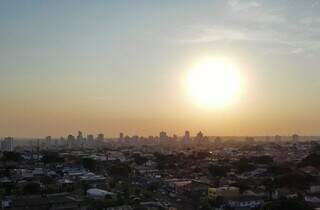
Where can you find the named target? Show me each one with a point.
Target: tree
(46, 180)
(120, 170)
(294, 180)
(265, 159)
(11, 156)
(202, 155)
(279, 170)
(89, 164)
(153, 186)
(286, 205)
(205, 206)
(243, 165)
(51, 157)
(311, 160)
(124, 187)
(84, 186)
(140, 160)
(217, 170)
(32, 188)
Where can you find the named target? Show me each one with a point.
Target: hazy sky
(111, 66)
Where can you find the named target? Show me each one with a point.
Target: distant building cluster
(161, 172)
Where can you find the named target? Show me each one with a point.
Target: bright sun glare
(214, 82)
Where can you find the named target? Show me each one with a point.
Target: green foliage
(286, 205)
(294, 180)
(202, 155)
(51, 157)
(265, 159)
(153, 186)
(11, 156)
(140, 160)
(124, 187)
(166, 161)
(32, 188)
(279, 170)
(243, 165)
(120, 170)
(311, 160)
(218, 170)
(46, 180)
(89, 164)
(204, 204)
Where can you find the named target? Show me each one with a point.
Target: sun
(214, 82)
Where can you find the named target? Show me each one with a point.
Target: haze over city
(117, 66)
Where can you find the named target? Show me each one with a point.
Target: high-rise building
(163, 136)
(7, 144)
(121, 137)
(249, 139)
(90, 137)
(80, 136)
(48, 141)
(217, 140)
(277, 138)
(186, 137)
(199, 136)
(295, 137)
(174, 137)
(100, 137)
(71, 141)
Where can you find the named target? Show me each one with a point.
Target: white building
(98, 194)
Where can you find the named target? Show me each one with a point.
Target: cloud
(254, 12)
(237, 5)
(252, 22)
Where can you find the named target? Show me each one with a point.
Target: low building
(225, 192)
(98, 194)
(52, 202)
(245, 202)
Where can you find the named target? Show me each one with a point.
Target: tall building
(71, 141)
(174, 137)
(277, 138)
(217, 140)
(100, 137)
(80, 139)
(7, 144)
(48, 141)
(90, 137)
(89, 141)
(80, 136)
(186, 137)
(249, 140)
(295, 137)
(99, 140)
(199, 136)
(163, 136)
(121, 137)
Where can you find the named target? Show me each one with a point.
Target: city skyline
(117, 66)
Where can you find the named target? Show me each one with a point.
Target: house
(180, 186)
(314, 189)
(311, 170)
(256, 192)
(120, 208)
(226, 192)
(52, 202)
(98, 194)
(284, 192)
(65, 185)
(245, 202)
